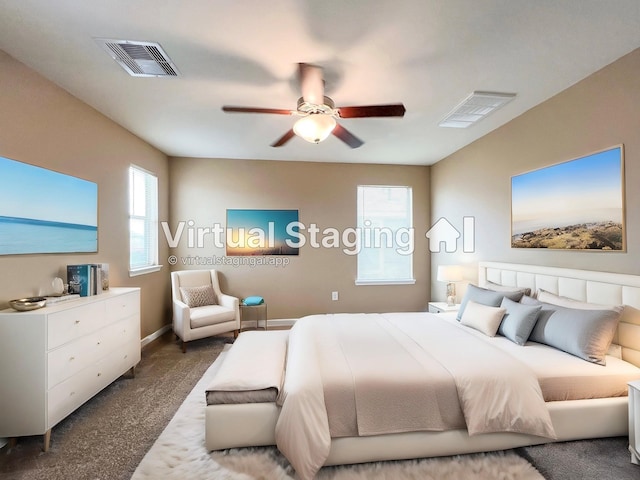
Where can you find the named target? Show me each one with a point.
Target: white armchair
(211, 311)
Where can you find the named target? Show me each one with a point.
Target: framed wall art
(42, 211)
(261, 232)
(574, 205)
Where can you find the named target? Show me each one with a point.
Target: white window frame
(361, 279)
(147, 213)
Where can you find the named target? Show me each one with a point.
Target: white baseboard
(155, 335)
(282, 322)
(273, 322)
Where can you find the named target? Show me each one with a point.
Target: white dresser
(54, 359)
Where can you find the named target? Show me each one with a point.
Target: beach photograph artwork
(575, 205)
(42, 211)
(261, 232)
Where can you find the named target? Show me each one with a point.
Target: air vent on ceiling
(475, 107)
(140, 59)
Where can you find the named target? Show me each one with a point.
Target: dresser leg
(131, 373)
(47, 440)
(13, 441)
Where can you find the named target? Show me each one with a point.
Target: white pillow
(483, 318)
(554, 299)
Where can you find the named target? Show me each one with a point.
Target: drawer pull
(77, 322)
(99, 373)
(72, 394)
(98, 343)
(71, 359)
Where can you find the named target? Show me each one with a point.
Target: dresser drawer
(70, 358)
(122, 306)
(68, 395)
(70, 324)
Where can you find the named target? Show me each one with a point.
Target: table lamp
(450, 274)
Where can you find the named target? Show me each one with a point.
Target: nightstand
(441, 307)
(252, 312)
(634, 421)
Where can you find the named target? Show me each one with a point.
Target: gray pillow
(502, 288)
(486, 297)
(584, 333)
(518, 321)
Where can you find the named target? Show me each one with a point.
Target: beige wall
(43, 125)
(201, 190)
(599, 112)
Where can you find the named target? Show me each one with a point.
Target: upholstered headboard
(583, 285)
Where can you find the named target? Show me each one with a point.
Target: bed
(266, 389)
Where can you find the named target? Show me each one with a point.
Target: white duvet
(371, 374)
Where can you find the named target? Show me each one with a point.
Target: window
(143, 222)
(385, 223)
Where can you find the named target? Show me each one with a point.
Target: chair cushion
(198, 296)
(211, 315)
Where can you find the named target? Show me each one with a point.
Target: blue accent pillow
(584, 333)
(519, 320)
(254, 300)
(486, 297)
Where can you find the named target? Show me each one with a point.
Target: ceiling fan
(319, 113)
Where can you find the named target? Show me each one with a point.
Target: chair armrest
(230, 302)
(181, 316)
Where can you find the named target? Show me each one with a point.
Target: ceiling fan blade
(284, 139)
(392, 110)
(277, 111)
(311, 83)
(347, 137)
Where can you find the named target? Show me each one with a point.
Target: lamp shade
(449, 273)
(315, 128)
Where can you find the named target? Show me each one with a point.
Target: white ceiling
(428, 54)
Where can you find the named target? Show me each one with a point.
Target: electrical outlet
(334, 296)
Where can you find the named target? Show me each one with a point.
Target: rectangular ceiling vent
(140, 59)
(474, 108)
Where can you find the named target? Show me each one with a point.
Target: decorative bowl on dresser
(27, 304)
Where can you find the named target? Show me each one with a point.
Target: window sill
(145, 270)
(407, 281)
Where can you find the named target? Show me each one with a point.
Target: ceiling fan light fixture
(315, 128)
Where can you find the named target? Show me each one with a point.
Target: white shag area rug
(179, 453)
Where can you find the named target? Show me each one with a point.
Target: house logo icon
(443, 232)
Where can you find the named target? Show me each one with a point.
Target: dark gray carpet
(601, 459)
(108, 436)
